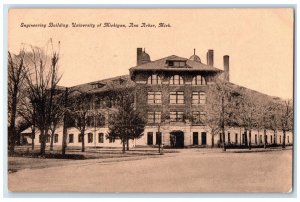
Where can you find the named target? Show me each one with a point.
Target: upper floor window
(198, 80)
(100, 137)
(55, 138)
(154, 97)
(154, 79)
(176, 116)
(198, 98)
(71, 138)
(172, 63)
(198, 117)
(176, 80)
(154, 117)
(177, 97)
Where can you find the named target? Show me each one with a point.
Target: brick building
(170, 93)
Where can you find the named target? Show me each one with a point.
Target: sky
(258, 41)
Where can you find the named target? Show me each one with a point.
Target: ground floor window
(203, 138)
(48, 138)
(111, 140)
(100, 137)
(271, 141)
(79, 137)
(255, 139)
(150, 138)
(55, 138)
(220, 137)
(158, 138)
(90, 137)
(236, 138)
(228, 138)
(280, 139)
(260, 139)
(71, 138)
(288, 139)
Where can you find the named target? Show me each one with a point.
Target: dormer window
(154, 79)
(172, 63)
(97, 85)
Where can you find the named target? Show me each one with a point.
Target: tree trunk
(43, 142)
(124, 142)
(265, 138)
(12, 128)
(283, 139)
(249, 139)
(32, 138)
(65, 128)
(127, 144)
(83, 143)
(246, 138)
(223, 140)
(51, 140)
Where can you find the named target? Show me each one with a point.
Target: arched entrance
(177, 139)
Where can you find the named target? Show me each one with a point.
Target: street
(190, 170)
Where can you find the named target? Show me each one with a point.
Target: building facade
(171, 94)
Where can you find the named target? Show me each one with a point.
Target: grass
(25, 158)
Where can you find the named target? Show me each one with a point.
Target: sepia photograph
(150, 100)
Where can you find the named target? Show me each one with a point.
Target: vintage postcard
(150, 100)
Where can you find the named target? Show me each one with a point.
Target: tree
(286, 118)
(42, 78)
(219, 104)
(16, 72)
(247, 113)
(81, 106)
(126, 123)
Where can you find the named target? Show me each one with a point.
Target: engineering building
(171, 94)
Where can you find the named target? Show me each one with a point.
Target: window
(100, 137)
(154, 79)
(55, 138)
(176, 80)
(71, 138)
(150, 138)
(198, 98)
(90, 137)
(220, 137)
(228, 138)
(236, 138)
(280, 139)
(48, 138)
(255, 139)
(176, 116)
(176, 63)
(260, 139)
(79, 138)
(271, 141)
(154, 117)
(196, 117)
(158, 138)
(111, 140)
(154, 97)
(198, 80)
(177, 97)
(288, 139)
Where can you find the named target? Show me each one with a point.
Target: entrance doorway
(195, 138)
(177, 139)
(203, 138)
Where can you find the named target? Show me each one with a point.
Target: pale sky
(258, 41)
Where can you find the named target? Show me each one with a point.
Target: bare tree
(16, 72)
(42, 78)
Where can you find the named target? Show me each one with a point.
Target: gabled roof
(161, 64)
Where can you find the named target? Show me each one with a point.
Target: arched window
(198, 80)
(154, 79)
(176, 80)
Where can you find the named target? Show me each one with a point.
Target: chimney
(210, 57)
(139, 52)
(226, 67)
